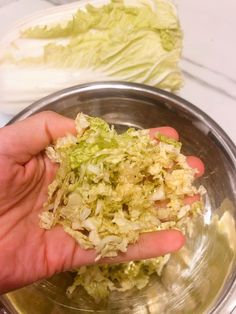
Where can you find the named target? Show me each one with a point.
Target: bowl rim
(118, 85)
(226, 303)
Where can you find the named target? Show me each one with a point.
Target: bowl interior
(194, 280)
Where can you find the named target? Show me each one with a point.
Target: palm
(28, 252)
(27, 246)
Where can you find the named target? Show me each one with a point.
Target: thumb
(64, 253)
(28, 137)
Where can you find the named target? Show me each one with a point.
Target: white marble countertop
(208, 63)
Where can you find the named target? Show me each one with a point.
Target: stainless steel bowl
(202, 276)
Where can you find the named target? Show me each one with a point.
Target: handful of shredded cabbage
(110, 188)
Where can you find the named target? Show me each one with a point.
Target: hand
(29, 253)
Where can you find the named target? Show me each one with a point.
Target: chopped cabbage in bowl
(110, 188)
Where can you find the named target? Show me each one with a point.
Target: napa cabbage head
(137, 41)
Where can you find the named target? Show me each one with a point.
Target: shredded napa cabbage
(110, 188)
(100, 280)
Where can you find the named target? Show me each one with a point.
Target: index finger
(193, 161)
(164, 130)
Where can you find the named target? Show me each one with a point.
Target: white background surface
(209, 57)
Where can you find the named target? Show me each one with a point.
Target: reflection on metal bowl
(202, 276)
